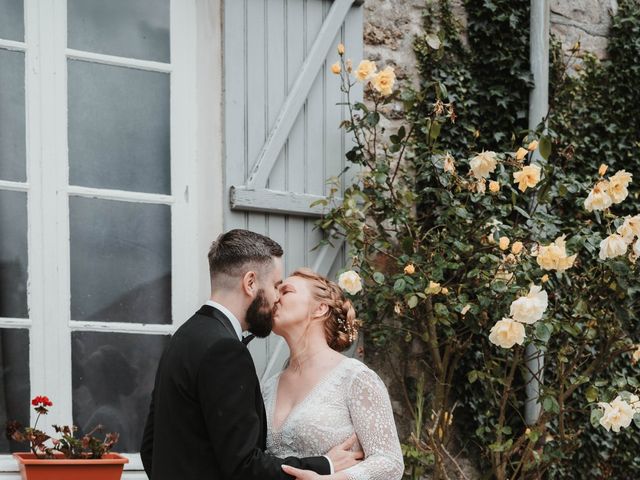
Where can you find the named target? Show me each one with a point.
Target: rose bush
(441, 289)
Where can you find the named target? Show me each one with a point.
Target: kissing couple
(323, 416)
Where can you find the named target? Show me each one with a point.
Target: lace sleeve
(372, 416)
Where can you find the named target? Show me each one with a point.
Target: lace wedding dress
(350, 398)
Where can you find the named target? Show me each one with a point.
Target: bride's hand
(342, 457)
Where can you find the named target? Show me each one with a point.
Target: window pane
(120, 261)
(13, 254)
(12, 20)
(14, 383)
(12, 120)
(119, 128)
(126, 28)
(113, 375)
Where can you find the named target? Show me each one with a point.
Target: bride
(322, 397)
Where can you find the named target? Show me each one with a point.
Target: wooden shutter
(282, 135)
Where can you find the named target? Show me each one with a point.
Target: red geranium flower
(41, 400)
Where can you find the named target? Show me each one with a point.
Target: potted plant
(68, 457)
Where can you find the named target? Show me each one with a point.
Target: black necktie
(248, 338)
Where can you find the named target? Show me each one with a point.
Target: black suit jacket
(206, 418)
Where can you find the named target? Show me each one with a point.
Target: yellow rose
(444, 291)
(340, 49)
(383, 81)
(483, 164)
(350, 281)
(545, 278)
(618, 186)
(506, 333)
(516, 248)
(529, 176)
(494, 187)
(504, 243)
(603, 169)
(533, 145)
(598, 198)
(335, 68)
(410, 269)
(521, 153)
(365, 70)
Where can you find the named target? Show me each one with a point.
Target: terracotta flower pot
(109, 467)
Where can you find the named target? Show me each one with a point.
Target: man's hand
(301, 474)
(342, 457)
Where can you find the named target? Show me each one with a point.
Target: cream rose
(528, 177)
(494, 186)
(350, 281)
(383, 81)
(617, 414)
(531, 308)
(603, 169)
(554, 256)
(618, 186)
(521, 153)
(365, 70)
(635, 356)
(433, 288)
(517, 247)
(598, 198)
(335, 68)
(483, 164)
(612, 246)
(504, 243)
(636, 248)
(506, 333)
(449, 164)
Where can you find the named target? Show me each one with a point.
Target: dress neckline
(306, 398)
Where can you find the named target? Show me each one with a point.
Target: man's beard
(260, 316)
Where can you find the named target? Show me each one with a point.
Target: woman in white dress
(322, 397)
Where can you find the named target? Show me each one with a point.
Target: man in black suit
(207, 419)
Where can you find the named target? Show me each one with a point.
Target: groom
(207, 419)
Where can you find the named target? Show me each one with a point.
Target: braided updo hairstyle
(340, 323)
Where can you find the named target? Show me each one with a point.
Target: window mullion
(51, 345)
(184, 240)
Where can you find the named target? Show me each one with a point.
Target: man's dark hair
(237, 251)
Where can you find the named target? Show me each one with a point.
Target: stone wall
(584, 21)
(391, 26)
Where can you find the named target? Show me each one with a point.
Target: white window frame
(196, 186)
